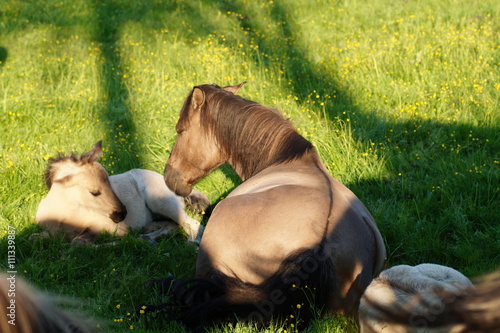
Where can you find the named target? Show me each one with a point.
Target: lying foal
(83, 201)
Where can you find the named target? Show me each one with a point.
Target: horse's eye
(95, 193)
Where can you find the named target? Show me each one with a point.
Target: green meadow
(401, 99)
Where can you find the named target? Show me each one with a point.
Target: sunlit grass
(402, 102)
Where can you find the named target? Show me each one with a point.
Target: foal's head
(80, 181)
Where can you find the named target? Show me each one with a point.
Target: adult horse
(288, 238)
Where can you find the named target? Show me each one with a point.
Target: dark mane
(252, 135)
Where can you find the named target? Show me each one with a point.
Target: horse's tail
(301, 289)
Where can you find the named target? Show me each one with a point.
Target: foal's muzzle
(118, 216)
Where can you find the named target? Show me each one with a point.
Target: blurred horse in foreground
(430, 298)
(26, 310)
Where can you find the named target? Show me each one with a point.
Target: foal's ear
(235, 89)
(198, 98)
(94, 154)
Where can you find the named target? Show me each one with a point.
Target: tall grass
(401, 99)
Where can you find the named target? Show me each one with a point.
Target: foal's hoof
(82, 241)
(197, 201)
(38, 235)
(148, 238)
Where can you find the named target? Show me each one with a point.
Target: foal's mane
(52, 168)
(252, 135)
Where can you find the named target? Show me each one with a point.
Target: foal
(83, 201)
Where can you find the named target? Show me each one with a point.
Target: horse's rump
(303, 286)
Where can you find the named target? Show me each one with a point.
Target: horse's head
(81, 184)
(196, 152)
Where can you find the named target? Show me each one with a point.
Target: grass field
(401, 98)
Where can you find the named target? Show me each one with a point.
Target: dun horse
(430, 298)
(83, 201)
(288, 238)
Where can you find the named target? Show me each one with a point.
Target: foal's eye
(95, 193)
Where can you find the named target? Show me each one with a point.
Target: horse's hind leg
(193, 228)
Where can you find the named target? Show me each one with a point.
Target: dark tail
(303, 287)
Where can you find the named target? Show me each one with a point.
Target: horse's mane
(51, 170)
(253, 135)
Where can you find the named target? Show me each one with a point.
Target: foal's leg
(156, 230)
(84, 238)
(163, 202)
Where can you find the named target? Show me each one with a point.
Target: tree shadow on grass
(116, 114)
(3, 55)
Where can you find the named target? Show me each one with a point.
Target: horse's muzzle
(175, 182)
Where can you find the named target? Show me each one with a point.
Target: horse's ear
(94, 154)
(198, 98)
(235, 89)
